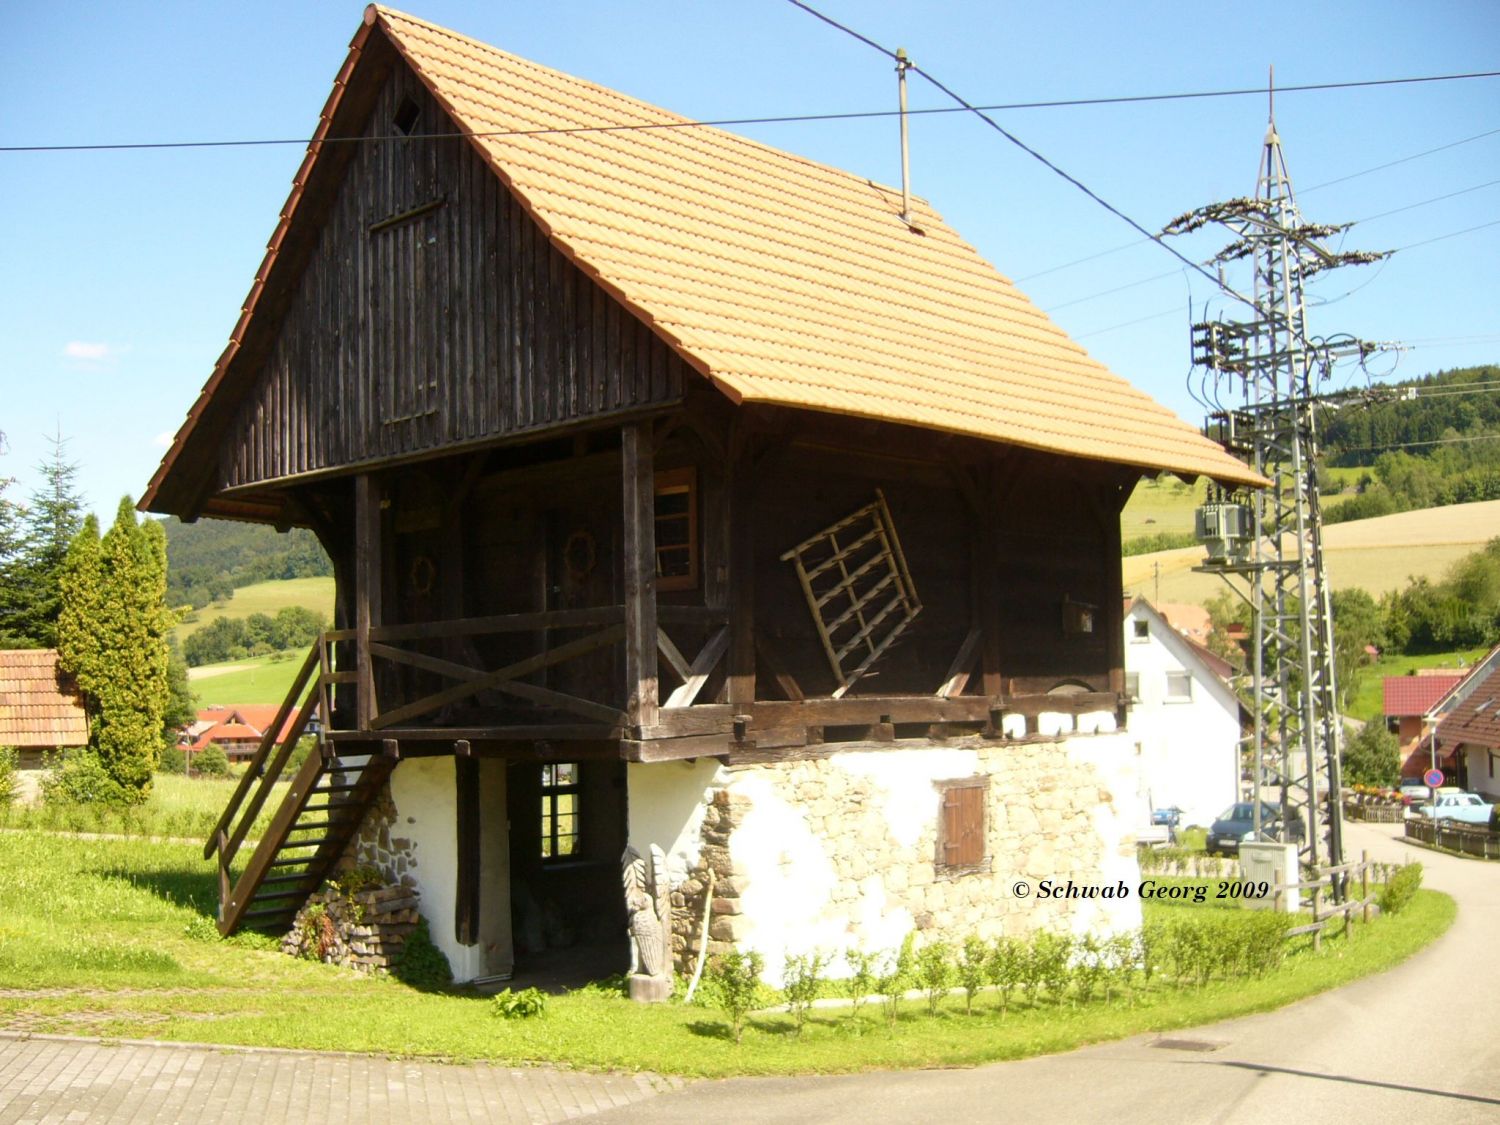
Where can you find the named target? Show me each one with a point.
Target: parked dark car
(1238, 821)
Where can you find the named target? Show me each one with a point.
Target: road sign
(1433, 778)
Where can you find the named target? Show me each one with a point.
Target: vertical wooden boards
(639, 572)
(431, 310)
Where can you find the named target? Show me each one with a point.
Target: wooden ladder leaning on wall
(323, 807)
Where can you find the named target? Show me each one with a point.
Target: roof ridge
(389, 13)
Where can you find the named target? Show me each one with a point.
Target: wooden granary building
(679, 491)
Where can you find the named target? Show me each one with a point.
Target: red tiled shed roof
(40, 705)
(1415, 695)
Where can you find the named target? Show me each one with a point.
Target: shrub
(1049, 956)
(801, 980)
(900, 968)
(171, 760)
(1006, 967)
(1400, 888)
(862, 977)
(80, 778)
(1090, 969)
(422, 964)
(736, 978)
(521, 1005)
(935, 973)
(212, 761)
(10, 785)
(973, 968)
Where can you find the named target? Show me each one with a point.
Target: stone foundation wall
(841, 851)
(379, 844)
(365, 931)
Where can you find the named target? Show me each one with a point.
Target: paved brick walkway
(45, 1079)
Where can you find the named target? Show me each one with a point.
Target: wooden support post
(367, 582)
(466, 800)
(1364, 883)
(987, 569)
(740, 679)
(639, 573)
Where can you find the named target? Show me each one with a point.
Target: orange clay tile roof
(39, 706)
(781, 280)
(786, 281)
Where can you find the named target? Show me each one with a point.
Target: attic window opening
(406, 116)
(677, 529)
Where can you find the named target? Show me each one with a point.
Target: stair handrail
(255, 767)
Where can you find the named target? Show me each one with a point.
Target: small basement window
(559, 810)
(961, 837)
(677, 529)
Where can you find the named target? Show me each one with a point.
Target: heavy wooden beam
(367, 583)
(639, 495)
(740, 680)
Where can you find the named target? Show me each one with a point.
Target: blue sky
(122, 273)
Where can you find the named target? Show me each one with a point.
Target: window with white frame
(1179, 687)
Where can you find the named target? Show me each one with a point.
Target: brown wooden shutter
(963, 825)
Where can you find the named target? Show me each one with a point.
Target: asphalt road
(1418, 1044)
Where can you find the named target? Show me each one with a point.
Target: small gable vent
(407, 114)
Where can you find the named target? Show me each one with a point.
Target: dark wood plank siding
(454, 325)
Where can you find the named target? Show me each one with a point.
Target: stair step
(278, 912)
(316, 841)
(340, 806)
(300, 877)
(302, 826)
(262, 895)
(291, 861)
(318, 791)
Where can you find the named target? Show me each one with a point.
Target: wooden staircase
(323, 808)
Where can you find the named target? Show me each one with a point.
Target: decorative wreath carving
(423, 574)
(580, 554)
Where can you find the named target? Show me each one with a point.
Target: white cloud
(94, 353)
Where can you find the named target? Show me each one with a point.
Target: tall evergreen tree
(32, 597)
(12, 557)
(112, 634)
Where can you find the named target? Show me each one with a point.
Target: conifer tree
(112, 634)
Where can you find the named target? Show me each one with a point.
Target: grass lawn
(182, 808)
(263, 597)
(259, 679)
(114, 938)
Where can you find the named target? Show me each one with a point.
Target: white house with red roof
(1184, 717)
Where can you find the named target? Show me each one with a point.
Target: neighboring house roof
(1192, 621)
(781, 280)
(40, 705)
(235, 724)
(1416, 695)
(1473, 718)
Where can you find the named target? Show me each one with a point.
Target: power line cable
(1300, 191)
(1024, 147)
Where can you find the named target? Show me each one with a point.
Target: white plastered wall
(423, 791)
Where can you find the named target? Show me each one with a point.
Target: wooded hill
(208, 560)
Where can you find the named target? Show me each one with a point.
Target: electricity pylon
(1269, 544)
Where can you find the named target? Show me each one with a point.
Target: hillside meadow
(264, 597)
(1377, 555)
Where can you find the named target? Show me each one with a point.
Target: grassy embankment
(114, 938)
